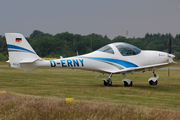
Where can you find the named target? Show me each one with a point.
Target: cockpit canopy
(127, 49)
(124, 48)
(106, 49)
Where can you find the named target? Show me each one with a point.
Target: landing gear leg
(153, 80)
(127, 82)
(108, 81)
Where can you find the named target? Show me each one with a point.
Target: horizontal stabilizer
(28, 60)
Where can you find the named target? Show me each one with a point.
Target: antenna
(126, 33)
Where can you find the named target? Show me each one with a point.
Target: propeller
(169, 47)
(169, 51)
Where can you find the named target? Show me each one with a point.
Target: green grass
(3, 63)
(81, 85)
(39, 108)
(177, 64)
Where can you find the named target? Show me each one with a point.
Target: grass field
(177, 64)
(82, 86)
(39, 108)
(3, 63)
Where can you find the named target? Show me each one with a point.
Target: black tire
(110, 84)
(153, 83)
(105, 83)
(128, 85)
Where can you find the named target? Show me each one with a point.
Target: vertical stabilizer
(20, 51)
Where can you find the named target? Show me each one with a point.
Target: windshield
(106, 49)
(127, 49)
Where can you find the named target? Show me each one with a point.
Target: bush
(3, 58)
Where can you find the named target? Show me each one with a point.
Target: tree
(67, 44)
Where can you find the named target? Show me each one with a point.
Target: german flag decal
(18, 39)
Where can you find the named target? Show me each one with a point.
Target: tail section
(21, 54)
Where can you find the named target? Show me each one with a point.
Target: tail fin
(21, 54)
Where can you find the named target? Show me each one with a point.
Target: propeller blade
(169, 47)
(169, 51)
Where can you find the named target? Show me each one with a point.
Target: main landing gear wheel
(153, 83)
(128, 85)
(108, 83)
(127, 82)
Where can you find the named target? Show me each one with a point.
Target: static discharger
(2, 92)
(70, 100)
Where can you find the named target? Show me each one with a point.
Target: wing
(143, 68)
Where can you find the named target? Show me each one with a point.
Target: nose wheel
(153, 80)
(153, 83)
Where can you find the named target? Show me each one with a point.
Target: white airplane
(115, 58)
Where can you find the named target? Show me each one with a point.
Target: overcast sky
(104, 17)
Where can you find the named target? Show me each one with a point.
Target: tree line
(67, 44)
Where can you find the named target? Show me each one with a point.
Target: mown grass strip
(81, 85)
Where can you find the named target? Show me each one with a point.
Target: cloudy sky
(104, 17)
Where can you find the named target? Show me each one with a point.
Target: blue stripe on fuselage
(117, 61)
